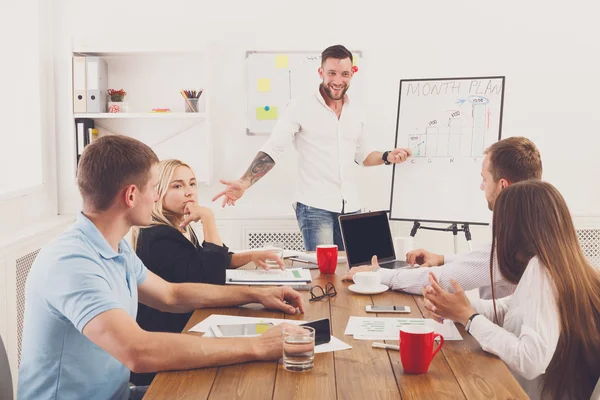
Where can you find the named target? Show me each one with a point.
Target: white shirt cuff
(362, 156)
(269, 150)
(479, 326)
(386, 276)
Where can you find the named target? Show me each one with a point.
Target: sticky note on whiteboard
(266, 113)
(281, 61)
(264, 85)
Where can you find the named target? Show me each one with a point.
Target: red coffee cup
(327, 256)
(416, 348)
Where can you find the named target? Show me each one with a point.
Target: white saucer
(377, 289)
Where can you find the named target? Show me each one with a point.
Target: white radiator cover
(15, 264)
(23, 266)
(590, 244)
(291, 240)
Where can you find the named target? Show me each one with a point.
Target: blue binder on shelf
(96, 84)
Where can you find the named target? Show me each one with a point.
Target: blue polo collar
(97, 240)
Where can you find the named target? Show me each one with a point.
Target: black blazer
(170, 255)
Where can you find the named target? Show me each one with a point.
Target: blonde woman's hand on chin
(195, 213)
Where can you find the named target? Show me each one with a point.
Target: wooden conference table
(461, 370)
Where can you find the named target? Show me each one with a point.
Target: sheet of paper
(281, 61)
(216, 319)
(265, 115)
(334, 344)
(289, 275)
(365, 328)
(264, 85)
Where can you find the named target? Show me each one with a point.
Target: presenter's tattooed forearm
(261, 164)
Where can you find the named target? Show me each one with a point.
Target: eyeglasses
(317, 293)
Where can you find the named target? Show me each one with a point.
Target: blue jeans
(319, 227)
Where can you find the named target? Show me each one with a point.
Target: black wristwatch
(384, 158)
(468, 324)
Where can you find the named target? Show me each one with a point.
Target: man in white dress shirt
(507, 161)
(327, 129)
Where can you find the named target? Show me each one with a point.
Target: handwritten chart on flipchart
(448, 123)
(273, 78)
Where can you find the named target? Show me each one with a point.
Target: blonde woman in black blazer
(170, 248)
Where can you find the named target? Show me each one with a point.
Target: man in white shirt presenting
(326, 128)
(507, 161)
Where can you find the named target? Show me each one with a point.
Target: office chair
(596, 393)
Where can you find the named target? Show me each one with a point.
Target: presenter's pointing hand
(399, 155)
(232, 192)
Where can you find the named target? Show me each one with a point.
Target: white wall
(548, 55)
(27, 110)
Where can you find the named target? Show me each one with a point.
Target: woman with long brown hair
(548, 330)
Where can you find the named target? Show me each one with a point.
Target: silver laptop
(366, 235)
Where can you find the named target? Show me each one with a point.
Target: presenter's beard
(329, 93)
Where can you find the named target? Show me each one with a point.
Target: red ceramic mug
(416, 348)
(327, 256)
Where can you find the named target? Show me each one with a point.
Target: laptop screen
(366, 235)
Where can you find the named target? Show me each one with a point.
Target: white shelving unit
(153, 79)
(157, 115)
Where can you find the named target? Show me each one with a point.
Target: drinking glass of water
(277, 248)
(298, 348)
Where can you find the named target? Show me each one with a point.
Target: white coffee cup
(403, 245)
(367, 279)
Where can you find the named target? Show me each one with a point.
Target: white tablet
(241, 330)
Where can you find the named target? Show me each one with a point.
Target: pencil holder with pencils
(192, 100)
(191, 105)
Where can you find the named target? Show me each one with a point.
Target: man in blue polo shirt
(80, 336)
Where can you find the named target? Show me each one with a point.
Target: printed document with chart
(365, 328)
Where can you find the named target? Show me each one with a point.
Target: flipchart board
(448, 123)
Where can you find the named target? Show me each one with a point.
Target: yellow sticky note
(281, 61)
(262, 328)
(264, 85)
(266, 113)
(354, 60)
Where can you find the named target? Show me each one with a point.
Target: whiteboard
(275, 77)
(448, 123)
